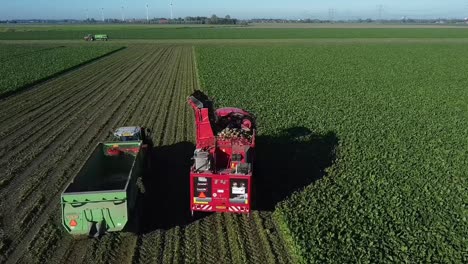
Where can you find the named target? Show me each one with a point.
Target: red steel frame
(222, 204)
(220, 199)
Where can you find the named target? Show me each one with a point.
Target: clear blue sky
(293, 9)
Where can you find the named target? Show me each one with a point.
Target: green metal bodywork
(104, 191)
(100, 37)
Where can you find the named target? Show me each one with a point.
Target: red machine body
(221, 176)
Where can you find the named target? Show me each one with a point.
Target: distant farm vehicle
(103, 195)
(90, 37)
(221, 176)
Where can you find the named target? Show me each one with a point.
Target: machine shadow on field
(167, 188)
(283, 164)
(289, 162)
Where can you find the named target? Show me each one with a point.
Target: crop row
(382, 173)
(24, 65)
(102, 115)
(141, 85)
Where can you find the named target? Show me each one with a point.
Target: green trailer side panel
(104, 190)
(114, 214)
(100, 36)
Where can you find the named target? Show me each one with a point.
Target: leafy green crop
(23, 64)
(154, 32)
(397, 190)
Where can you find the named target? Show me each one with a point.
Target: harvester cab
(220, 179)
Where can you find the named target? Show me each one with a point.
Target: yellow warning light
(115, 146)
(246, 201)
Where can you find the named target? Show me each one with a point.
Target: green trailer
(103, 195)
(91, 37)
(101, 37)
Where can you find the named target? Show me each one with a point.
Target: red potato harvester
(221, 176)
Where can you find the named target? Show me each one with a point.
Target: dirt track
(48, 132)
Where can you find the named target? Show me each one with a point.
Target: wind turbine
(87, 16)
(147, 13)
(102, 14)
(171, 10)
(122, 12)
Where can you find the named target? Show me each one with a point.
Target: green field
(24, 64)
(150, 32)
(396, 191)
(361, 154)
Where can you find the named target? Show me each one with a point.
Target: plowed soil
(48, 132)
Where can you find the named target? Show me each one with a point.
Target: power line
(380, 9)
(331, 14)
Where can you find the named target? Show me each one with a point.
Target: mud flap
(97, 229)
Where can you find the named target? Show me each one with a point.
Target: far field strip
(353, 25)
(138, 32)
(234, 42)
(24, 65)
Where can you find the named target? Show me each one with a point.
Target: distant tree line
(214, 20)
(227, 20)
(362, 20)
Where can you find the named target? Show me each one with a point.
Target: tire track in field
(173, 248)
(120, 116)
(31, 105)
(44, 152)
(118, 257)
(144, 252)
(32, 108)
(136, 101)
(94, 137)
(134, 241)
(148, 90)
(17, 163)
(24, 128)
